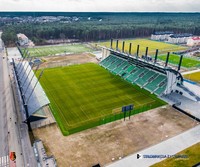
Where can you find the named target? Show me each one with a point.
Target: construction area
(108, 143)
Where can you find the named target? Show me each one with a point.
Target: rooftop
(163, 32)
(196, 38)
(21, 36)
(38, 98)
(180, 35)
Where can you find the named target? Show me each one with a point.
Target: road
(3, 119)
(9, 124)
(4, 145)
(19, 140)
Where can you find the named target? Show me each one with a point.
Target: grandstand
(145, 77)
(32, 94)
(148, 74)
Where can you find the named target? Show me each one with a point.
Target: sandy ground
(109, 142)
(54, 61)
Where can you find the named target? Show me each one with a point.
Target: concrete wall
(171, 82)
(105, 53)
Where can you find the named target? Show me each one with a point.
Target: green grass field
(87, 95)
(153, 45)
(193, 77)
(186, 62)
(58, 49)
(193, 158)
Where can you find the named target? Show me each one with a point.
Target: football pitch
(87, 95)
(152, 46)
(193, 77)
(186, 61)
(57, 49)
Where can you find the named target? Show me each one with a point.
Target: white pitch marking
(4, 161)
(7, 160)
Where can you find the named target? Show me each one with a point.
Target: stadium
(126, 86)
(88, 95)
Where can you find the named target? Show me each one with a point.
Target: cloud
(100, 5)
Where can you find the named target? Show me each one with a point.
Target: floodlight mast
(123, 45)
(138, 49)
(146, 53)
(111, 43)
(167, 59)
(180, 62)
(117, 42)
(130, 47)
(156, 56)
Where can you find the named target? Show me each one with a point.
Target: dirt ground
(113, 141)
(64, 60)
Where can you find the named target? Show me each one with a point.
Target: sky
(101, 5)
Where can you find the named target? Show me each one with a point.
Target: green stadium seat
(161, 87)
(119, 68)
(143, 79)
(146, 78)
(151, 86)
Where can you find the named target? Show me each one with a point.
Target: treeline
(105, 26)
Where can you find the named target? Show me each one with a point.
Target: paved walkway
(190, 72)
(192, 87)
(189, 106)
(168, 147)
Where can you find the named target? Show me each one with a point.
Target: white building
(195, 41)
(161, 36)
(179, 38)
(22, 39)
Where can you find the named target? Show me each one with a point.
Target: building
(32, 91)
(195, 41)
(148, 74)
(22, 39)
(179, 38)
(161, 36)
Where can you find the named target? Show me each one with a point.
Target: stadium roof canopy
(38, 99)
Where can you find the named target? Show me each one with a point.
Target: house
(22, 39)
(161, 36)
(179, 38)
(194, 41)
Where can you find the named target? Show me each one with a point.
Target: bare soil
(64, 60)
(109, 142)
